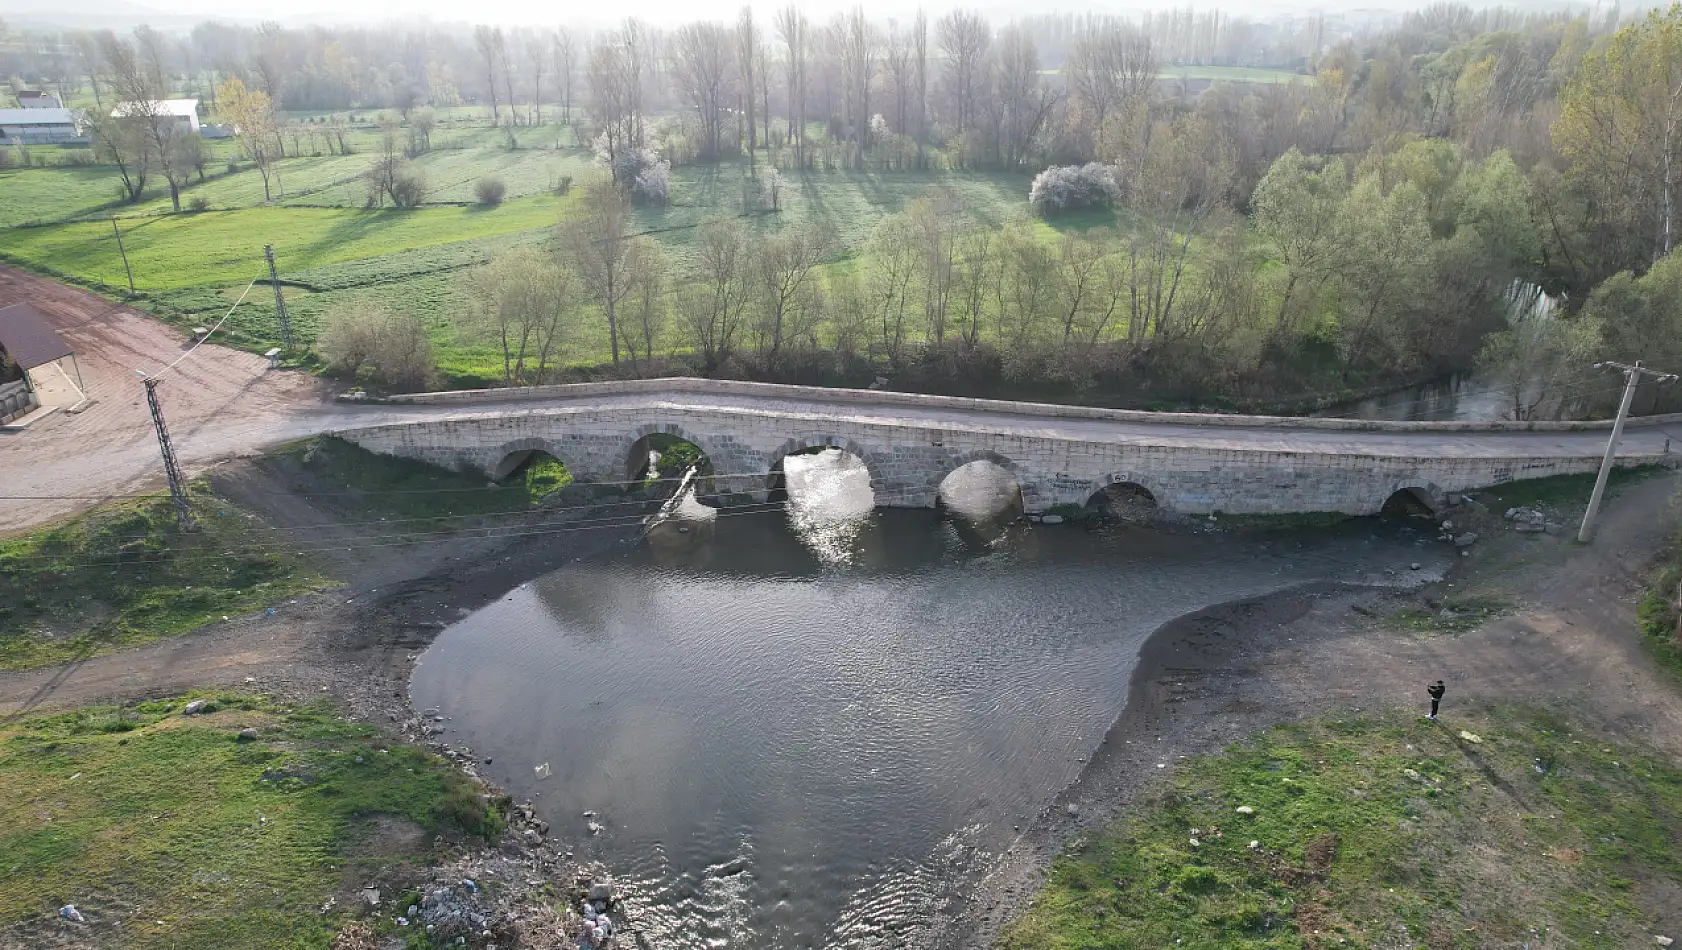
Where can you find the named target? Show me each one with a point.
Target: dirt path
(1211, 678)
(110, 447)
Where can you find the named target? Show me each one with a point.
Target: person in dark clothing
(1436, 690)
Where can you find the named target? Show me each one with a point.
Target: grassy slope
(123, 575)
(385, 485)
(196, 839)
(1369, 829)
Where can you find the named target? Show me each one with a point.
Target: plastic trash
(542, 770)
(70, 913)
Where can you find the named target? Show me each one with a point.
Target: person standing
(1436, 690)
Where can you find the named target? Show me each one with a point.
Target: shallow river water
(801, 725)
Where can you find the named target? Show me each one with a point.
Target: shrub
(408, 189)
(489, 190)
(563, 185)
(198, 203)
(1070, 187)
(643, 175)
(363, 339)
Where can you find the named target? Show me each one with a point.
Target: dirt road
(218, 402)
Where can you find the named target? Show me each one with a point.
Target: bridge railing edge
(719, 387)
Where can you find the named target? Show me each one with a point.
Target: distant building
(35, 99)
(34, 126)
(185, 111)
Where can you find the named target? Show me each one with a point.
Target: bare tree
(537, 56)
(140, 106)
(594, 242)
(1023, 99)
(786, 277)
(855, 39)
(920, 44)
(521, 301)
(716, 301)
(1111, 71)
(747, 44)
(566, 52)
(646, 303)
(611, 105)
(792, 27)
(700, 61)
(489, 42)
(964, 37)
(900, 60)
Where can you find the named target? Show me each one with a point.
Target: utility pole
(177, 485)
(1632, 378)
(118, 232)
(279, 301)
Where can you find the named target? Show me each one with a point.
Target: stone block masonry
(910, 447)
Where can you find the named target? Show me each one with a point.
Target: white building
(36, 99)
(185, 111)
(38, 126)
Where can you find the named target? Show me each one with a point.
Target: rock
(602, 890)
(532, 837)
(1553, 529)
(594, 827)
(1414, 566)
(248, 734)
(1072, 808)
(371, 896)
(195, 707)
(1466, 540)
(1051, 519)
(1246, 810)
(1662, 940)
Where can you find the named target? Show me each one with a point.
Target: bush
(198, 203)
(1070, 187)
(644, 176)
(563, 185)
(408, 189)
(363, 339)
(490, 190)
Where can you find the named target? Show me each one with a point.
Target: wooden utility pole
(118, 232)
(1632, 378)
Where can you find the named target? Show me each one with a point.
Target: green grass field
(124, 574)
(1382, 832)
(187, 836)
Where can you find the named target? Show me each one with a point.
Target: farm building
(31, 126)
(37, 368)
(185, 111)
(37, 99)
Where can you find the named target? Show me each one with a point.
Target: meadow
(190, 267)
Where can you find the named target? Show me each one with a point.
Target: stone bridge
(1059, 455)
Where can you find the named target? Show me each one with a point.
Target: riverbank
(1566, 643)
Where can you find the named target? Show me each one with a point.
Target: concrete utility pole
(118, 232)
(279, 301)
(1632, 378)
(177, 485)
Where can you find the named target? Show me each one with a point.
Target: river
(801, 725)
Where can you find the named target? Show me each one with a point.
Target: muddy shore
(1203, 680)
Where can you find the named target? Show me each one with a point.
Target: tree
(566, 51)
(791, 26)
(1111, 71)
(646, 303)
(747, 45)
(490, 42)
(1533, 361)
(1620, 124)
(594, 242)
(1385, 263)
(1296, 207)
(893, 255)
(522, 301)
(716, 303)
(856, 41)
(392, 177)
(1023, 100)
(700, 62)
(920, 44)
(138, 84)
(964, 37)
(786, 277)
(537, 55)
(251, 113)
(124, 145)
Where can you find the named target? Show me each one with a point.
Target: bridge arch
(510, 457)
(659, 437)
(1130, 495)
(973, 476)
(1413, 497)
(804, 444)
